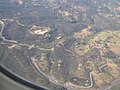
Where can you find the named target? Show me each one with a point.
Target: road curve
(36, 66)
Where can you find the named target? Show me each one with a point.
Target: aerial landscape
(62, 44)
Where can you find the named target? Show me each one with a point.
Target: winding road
(35, 66)
(1, 34)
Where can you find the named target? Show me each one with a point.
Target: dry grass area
(115, 43)
(115, 49)
(43, 64)
(91, 65)
(111, 38)
(118, 9)
(83, 33)
(80, 50)
(79, 72)
(107, 77)
(98, 79)
(101, 79)
(113, 69)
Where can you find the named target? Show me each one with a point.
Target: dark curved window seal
(18, 79)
